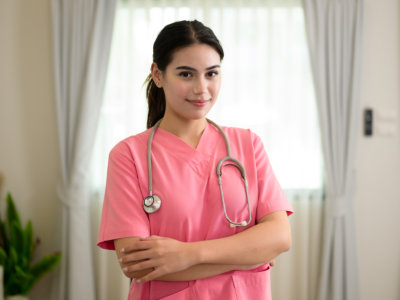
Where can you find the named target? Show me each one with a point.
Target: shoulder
(245, 143)
(131, 146)
(241, 135)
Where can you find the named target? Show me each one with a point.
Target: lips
(199, 103)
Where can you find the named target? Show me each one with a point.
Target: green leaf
(12, 213)
(13, 256)
(17, 237)
(4, 239)
(13, 278)
(46, 264)
(13, 284)
(22, 273)
(29, 243)
(3, 257)
(17, 245)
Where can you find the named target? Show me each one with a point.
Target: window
(266, 86)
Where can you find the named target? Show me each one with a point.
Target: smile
(198, 103)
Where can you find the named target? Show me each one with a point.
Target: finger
(158, 272)
(136, 246)
(142, 265)
(135, 256)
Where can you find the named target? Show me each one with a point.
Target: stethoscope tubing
(149, 142)
(153, 202)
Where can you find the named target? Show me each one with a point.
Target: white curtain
(334, 30)
(82, 32)
(267, 86)
(295, 276)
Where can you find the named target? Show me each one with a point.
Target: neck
(189, 131)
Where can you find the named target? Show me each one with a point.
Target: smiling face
(191, 82)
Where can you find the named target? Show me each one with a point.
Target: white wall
(378, 161)
(28, 133)
(29, 147)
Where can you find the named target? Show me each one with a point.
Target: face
(191, 82)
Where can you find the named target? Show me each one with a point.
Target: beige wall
(29, 151)
(378, 161)
(28, 134)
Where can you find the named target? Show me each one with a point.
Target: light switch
(368, 121)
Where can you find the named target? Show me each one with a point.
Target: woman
(186, 248)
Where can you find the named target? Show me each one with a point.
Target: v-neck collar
(175, 143)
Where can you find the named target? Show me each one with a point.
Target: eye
(212, 74)
(185, 74)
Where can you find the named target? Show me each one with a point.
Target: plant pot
(1, 283)
(17, 297)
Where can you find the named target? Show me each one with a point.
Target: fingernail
(120, 260)
(138, 280)
(125, 269)
(123, 250)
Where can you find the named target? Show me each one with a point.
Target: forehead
(198, 56)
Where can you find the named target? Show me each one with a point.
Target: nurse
(187, 249)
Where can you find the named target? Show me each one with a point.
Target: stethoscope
(152, 203)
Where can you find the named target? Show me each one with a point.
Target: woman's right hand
(161, 255)
(122, 244)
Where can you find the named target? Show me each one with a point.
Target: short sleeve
(271, 197)
(123, 214)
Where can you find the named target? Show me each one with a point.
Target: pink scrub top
(186, 181)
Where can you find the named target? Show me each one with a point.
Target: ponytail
(156, 102)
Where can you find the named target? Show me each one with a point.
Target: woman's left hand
(164, 255)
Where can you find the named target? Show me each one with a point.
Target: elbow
(282, 243)
(134, 274)
(285, 242)
(127, 273)
(130, 275)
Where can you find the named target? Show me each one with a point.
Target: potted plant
(17, 247)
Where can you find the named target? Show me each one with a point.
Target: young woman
(193, 211)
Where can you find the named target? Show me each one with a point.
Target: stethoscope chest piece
(151, 204)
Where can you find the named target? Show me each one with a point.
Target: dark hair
(171, 38)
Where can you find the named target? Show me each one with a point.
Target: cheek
(173, 91)
(215, 88)
(179, 89)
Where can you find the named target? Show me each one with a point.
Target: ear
(156, 74)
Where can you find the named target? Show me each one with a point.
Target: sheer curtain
(267, 86)
(82, 33)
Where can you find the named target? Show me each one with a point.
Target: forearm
(200, 271)
(258, 244)
(161, 256)
(192, 273)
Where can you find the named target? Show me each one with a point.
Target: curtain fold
(295, 276)
(82, 31)
(334, 29)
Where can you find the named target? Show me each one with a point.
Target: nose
(200, 86)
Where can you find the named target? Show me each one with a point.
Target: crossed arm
(160, 258)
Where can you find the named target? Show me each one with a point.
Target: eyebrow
(193, 69)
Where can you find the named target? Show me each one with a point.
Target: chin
(198, 116)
